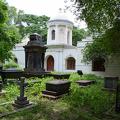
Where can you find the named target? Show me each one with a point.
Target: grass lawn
(90, 103)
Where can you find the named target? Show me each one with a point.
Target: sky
(43, 7)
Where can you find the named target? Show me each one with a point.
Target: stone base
(21, 102)
(85, 83)
(52, 94)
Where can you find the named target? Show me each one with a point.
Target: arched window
(98, 64)
(70, 63)
(53, 34)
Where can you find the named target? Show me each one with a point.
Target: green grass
(89, 103)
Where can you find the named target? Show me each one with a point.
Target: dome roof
(60, 16)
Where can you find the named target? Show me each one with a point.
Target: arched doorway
(70, 63)
(50, 63)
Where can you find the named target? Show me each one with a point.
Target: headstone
(117, 106)
(21, 100)
(110, 83)
(34, 54)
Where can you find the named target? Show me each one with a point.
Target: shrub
(11, 64)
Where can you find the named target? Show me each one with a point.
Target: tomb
(84, 83)
(110, 83)
(34, 54)
(56, 88)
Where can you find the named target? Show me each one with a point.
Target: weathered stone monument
(21, 100)
(34, 54)
(110, 83)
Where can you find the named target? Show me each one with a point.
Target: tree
(103, 19)
(9, 34)
(78, 35)
(28, 23)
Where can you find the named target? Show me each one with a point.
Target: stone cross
(22, 87)
(21, 100)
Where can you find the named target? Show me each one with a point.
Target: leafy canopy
(9, 34)
(103, 20)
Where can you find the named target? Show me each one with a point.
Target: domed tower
(59, 30)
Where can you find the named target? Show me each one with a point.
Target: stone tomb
(84, 83)
(110, 83)
(56, 88)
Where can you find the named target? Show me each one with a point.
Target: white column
(57, 34)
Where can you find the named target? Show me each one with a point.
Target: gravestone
(56, 88)
(34, 54)
(110, 83)
(21, 100)
(117, 106)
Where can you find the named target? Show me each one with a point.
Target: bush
(11, 64)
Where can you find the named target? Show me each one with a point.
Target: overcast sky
(42, 7)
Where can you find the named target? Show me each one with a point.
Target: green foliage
(89, 103)
(11, 64)
(28, 23)
(12, 92)
(78, 35)
(3, 12)
(103, 20)
(9, 34)
(37, 88)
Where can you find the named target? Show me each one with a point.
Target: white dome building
(60, 55)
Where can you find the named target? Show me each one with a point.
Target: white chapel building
(62, 56)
